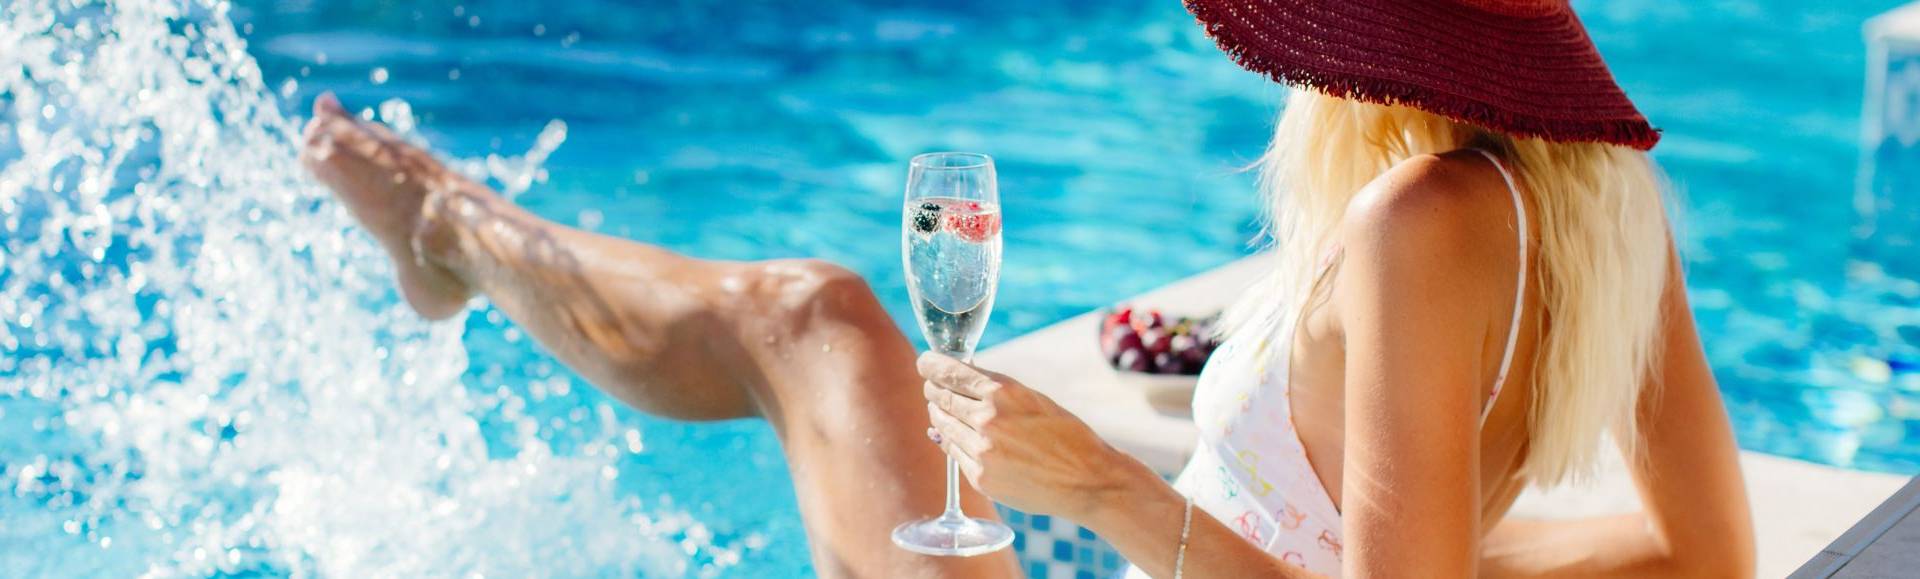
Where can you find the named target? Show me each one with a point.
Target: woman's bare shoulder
(1450, 209)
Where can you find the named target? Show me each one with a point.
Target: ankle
(438, 239)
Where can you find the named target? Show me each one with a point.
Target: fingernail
(933, 435)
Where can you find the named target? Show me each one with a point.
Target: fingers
(962, 378)
(958, 441)
(972, 412)
(954, 432)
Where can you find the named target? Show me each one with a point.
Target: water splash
(203, 366)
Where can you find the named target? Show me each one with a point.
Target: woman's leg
(801, 343)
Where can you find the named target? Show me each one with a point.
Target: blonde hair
(1602, 254)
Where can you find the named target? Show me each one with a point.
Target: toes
(330, 122)
(331, 132)
(328, 105)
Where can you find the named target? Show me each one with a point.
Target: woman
(1474, 279)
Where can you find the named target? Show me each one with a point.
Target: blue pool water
(280, 414)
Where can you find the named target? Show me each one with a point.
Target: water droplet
(398, 115)
(633, 442)
(379, 75)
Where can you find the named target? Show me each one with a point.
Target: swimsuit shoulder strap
(1520, 287)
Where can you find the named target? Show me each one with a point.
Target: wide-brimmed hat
(1525, 68)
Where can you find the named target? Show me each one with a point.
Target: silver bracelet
(1186, 527)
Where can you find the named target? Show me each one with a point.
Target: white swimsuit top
(1250, 469)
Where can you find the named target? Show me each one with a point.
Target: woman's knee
(811, 291)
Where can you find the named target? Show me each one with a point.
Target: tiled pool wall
(1055, 548)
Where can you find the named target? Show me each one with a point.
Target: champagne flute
(950, 238)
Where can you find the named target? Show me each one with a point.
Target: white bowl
(1171, 391)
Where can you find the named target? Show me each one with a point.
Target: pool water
(275, 411)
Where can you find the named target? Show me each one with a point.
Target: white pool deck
(1798, 507)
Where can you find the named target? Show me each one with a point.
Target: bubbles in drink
(953, 265)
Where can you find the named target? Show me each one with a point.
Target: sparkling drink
(952, 248)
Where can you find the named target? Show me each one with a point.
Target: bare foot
(385, 183)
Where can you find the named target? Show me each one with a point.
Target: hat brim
(1529, 70)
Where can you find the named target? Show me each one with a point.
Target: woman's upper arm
(1686, 464)
(1414, 316)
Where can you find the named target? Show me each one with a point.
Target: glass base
(952, 535)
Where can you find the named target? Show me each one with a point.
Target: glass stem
(953, 491)
(953, 471)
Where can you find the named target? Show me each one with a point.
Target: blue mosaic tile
(1063, 551)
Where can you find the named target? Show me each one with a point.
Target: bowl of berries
(1154, 351)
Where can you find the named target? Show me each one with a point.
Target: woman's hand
(1016, 445)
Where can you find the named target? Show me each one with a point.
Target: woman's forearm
(1611, 546)
(1141, 517)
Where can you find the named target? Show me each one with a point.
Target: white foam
(203, 364)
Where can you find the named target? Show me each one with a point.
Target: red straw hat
(1520, 67)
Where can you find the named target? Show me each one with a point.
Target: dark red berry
(1134, 360)
(1156, 340)
(1194, 358)
(1127, 340)
(1110, 340)
(1181, 344)
(1166, 363)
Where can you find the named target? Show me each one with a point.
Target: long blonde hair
(1602, 259)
